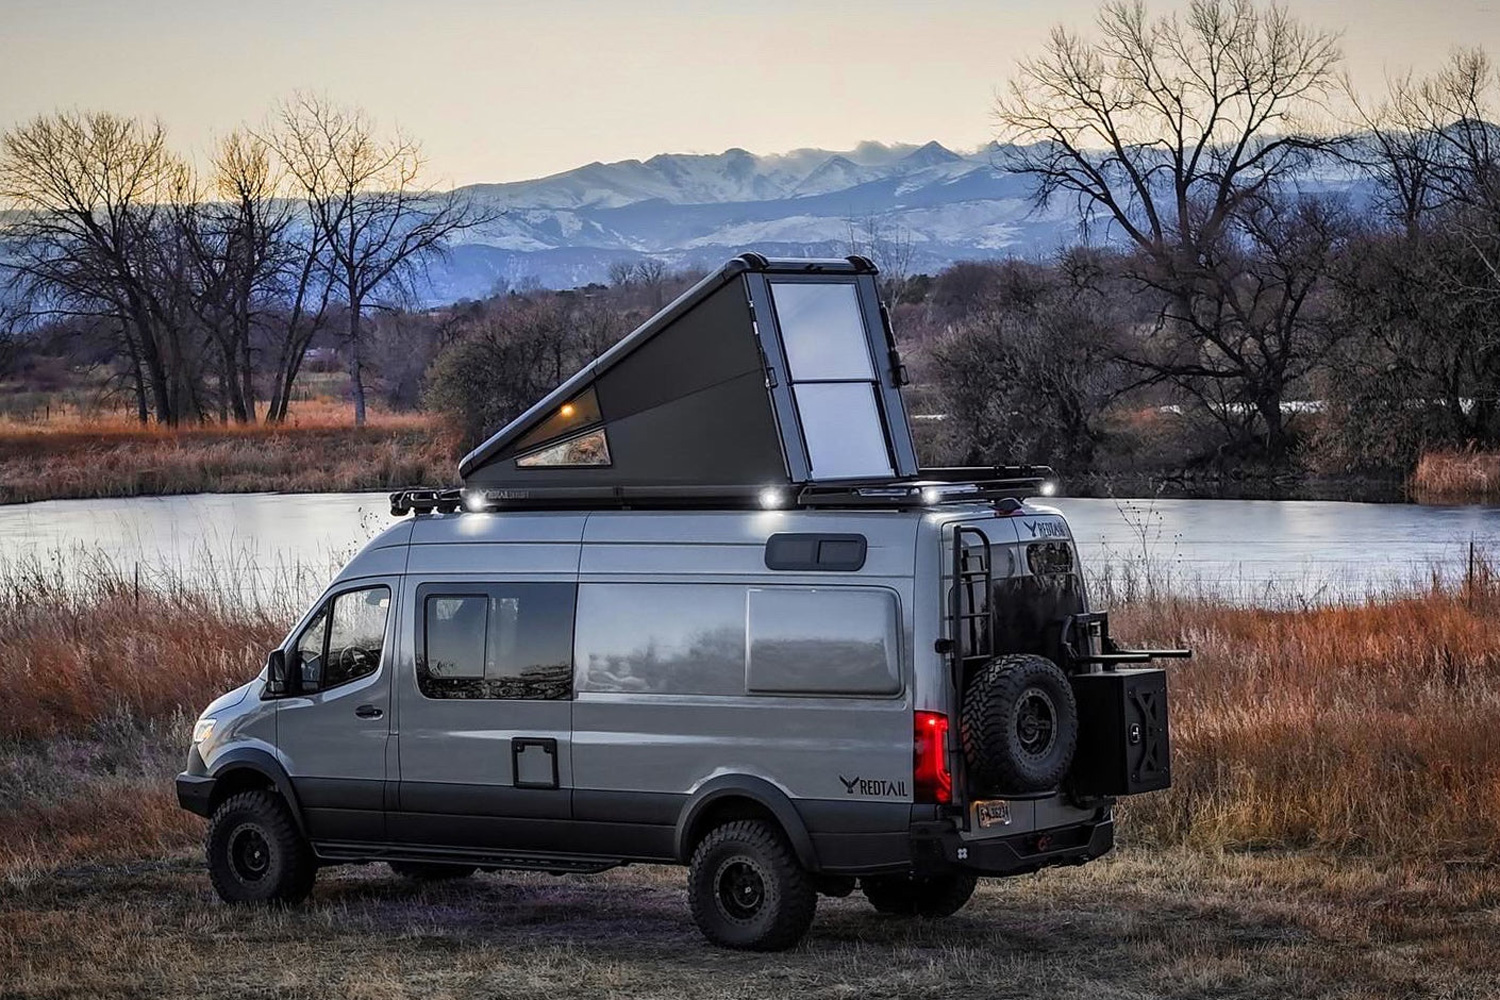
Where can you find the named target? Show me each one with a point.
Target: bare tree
(91, 194)
(890, 245)
(1027, 371)
(365, 198)
(1173, 132)
(1422, 368)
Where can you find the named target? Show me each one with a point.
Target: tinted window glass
(845, 437)
(824, 641)
(661, 638)
(823, 331)
(456, 631)
(496, 641)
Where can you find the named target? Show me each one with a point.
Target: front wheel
(747, 890)
(255, 853)
(919, 896)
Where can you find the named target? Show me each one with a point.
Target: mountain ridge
(698, 209)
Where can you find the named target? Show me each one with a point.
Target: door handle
(368, 712)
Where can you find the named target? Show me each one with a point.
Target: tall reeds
(1467, 476)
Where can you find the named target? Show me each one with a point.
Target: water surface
(1253, 549)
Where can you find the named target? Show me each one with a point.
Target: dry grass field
(1179, 923)
(317, 449)
(1334, 831)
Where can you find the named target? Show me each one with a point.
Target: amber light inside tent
(578, 413)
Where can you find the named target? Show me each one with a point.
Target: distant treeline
(1235, 315)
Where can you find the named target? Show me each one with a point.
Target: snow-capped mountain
(693, 210)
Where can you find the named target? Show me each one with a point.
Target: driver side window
(344, 640)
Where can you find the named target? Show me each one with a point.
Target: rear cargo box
(1123, 744)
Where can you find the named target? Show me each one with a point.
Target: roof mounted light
(1048, 488)
(772, 499)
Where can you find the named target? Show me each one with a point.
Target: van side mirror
(276, 679)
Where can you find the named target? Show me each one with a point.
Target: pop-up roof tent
(768, 382)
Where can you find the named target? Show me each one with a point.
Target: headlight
(203, 730)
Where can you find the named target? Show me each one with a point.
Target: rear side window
(495, 640)
(824, 641)
(729, 639)
(661, 638)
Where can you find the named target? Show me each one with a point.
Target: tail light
(930, 774)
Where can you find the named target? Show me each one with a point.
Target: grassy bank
(318, 449)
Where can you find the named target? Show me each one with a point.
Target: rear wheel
(919, 896)
(747, 890)
(255, 854)
(430, 871)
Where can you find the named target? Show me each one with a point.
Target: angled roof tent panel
(767, 372)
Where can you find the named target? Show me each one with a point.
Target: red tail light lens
(930, 774)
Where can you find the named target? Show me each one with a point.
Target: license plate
(993, 814)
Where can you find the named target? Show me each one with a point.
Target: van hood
(231, 699)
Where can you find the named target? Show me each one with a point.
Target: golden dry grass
(1370, 727)
(1467, 476)
(317, 449)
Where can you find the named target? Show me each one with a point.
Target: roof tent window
(833, 378)
(571, 417)
(586, 449)
(842, 427)
(823, 331)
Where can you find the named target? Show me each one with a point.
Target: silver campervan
(699, 606)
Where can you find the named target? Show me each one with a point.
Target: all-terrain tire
(255, 853)
(919, 896)
(1018, 725)
(431, 871)
(747, 890)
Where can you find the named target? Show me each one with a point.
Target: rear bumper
(937, 848)
(195, 792)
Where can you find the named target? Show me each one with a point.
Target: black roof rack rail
(425, 501)
(932, 488)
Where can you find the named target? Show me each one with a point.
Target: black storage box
(1123, 745)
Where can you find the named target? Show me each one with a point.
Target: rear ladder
(971, 612)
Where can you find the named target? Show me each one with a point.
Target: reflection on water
(282, 547)
(1286, 549)
(290, 545)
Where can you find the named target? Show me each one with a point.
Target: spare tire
(1018, 725)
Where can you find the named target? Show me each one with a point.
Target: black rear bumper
(195, 792)
(941, 846)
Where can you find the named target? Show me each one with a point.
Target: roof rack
(425, 501)
(932, 487)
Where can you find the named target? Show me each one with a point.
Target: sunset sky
(504, 91)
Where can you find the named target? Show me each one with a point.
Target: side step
(335, 852)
